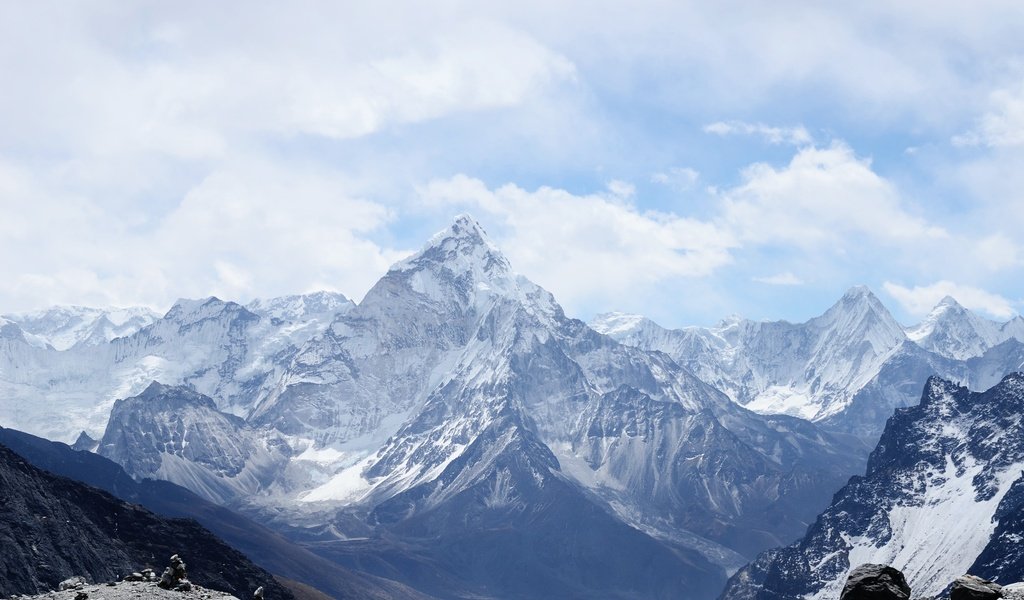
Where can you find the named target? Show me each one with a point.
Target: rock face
(178, 435)
(942, 496)
(971, 587)
(52, 528)
(875, 582)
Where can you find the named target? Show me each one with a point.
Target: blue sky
(685, 160)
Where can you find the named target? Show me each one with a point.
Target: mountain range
(456, 417)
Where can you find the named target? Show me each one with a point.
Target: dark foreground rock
(876, 582)
(52, 528)
(970, 587)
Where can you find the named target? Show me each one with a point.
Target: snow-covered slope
(65, 326)
(952, 331)
(936, 489)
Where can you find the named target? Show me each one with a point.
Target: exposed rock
(72, 583)
(875, 582)
(175, 576)
(52, 528)
(258, 594)
(76, 583)
(138, 590)
(970, 587)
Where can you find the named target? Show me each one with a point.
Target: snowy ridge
(811, 370)
(930, 503)
(955, 332)
(64, 327)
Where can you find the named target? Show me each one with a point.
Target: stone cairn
(175, 577)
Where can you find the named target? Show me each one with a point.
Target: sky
(683, 160)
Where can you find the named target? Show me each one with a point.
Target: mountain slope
(266, 548)
(52, 528)
(941, 490)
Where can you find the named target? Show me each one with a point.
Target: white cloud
(680, 178)
(1002, 125)
(793, 136)
(821, 198)
(919, 300)
(587, 249)
(786, 278)
(249, 228)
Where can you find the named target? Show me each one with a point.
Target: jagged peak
(464, 237)
(203, 308)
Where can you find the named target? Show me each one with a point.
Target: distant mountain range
(456, 432)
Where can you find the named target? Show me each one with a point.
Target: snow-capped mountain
(952, 331)
(66, 326)
(456, 410)
(809, 370)
(454, 399)
(942, 496)
(847, 369)
(219, 348)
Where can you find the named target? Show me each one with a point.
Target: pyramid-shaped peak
(859, 292)
(948, 302)
(859, 298)
(463, 228)
(463, 245)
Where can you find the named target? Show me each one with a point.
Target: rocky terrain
(300, 567)
(942, 496)
(129, 590)
(53, 528)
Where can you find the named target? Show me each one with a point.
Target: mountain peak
(948, 301)
(462, 246)
(859, 292)
(464, 228)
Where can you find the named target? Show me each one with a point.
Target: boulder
(971, 587)
(875, 582)
(72, 583)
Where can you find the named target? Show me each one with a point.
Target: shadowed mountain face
(52, 528)
(941, 497)
(264, 547)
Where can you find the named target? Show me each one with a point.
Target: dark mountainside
(264, 547)
(53, 528)
(953, 439)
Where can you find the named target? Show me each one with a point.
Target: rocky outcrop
(875, 582)
(971, 587)
(52, 528)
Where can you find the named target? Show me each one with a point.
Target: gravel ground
(131, 590)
